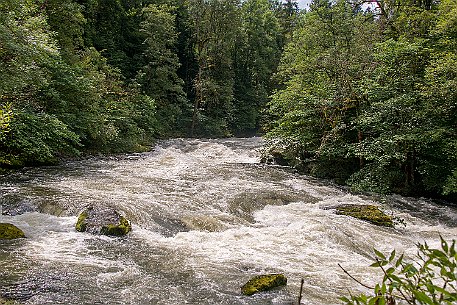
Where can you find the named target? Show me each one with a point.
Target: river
(207, 216)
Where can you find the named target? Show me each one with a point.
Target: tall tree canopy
(62, 95)
(363, 94)
(257, 53)
(368, 96)
(110, 75)
(214, 25)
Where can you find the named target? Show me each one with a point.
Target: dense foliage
(112, 75)
(59, 95)
(368, 96)
(431, 279)
(363, 93)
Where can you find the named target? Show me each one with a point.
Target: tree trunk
(198, 99)
(360, 139)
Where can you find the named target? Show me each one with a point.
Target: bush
(430, 280)
(36, 139)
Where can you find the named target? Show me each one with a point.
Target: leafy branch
(430, 280)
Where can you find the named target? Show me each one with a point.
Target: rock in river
(9, 231)
(263, 283)
(368, 213)
(105, 221)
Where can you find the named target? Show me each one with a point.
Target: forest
(361, 92)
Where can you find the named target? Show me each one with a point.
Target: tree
(407, 130)
(66, 19)
(322, 72)
(25, 45)
(6, 115)
(439, 163)
(288, 15)
(58, 96)
(158, 77)
(214, 25)
(256, 58)
(372, 98)
(26, 49)
(390, 120)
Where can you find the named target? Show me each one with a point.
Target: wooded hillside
(369, 93)
(361, 92)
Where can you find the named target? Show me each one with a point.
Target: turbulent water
(206, 218)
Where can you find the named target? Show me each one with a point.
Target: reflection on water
(206, 217)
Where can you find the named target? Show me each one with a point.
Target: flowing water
(206, 218)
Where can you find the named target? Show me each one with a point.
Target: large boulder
(368, 213)
(10, 231)
(105, 221)
(263, 283)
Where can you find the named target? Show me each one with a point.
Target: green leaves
(380, 255)
(26, 45)
(257, 53)
(390, 120)
(158, 77)
(64, 95)
(37, 138)
(416, 282)
(321, 74)
(6, 114)
(214, 26)
(377, 95)
(422, 298)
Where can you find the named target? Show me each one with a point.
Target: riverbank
(345, 172)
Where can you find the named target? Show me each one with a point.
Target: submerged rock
(7, 302)
(368, 213)
(15, 204)
(276, 156)
(203, 223)
(263, 283)
(105, 221)
(244, 204)
(10, 231)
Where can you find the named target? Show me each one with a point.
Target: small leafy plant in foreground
(431, 279)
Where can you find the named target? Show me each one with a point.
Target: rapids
(207, 216)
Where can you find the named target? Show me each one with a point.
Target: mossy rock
(105, 221)
(81, 224)
(368, 213)
(9, 231)
(8, 302)
(120, 229)
(263, 283)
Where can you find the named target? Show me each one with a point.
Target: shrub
(430, 280)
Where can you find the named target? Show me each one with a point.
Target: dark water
(206, 217)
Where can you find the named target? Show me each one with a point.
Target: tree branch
(364, 285)
(390, 280)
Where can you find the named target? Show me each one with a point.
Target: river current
(207, 216)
